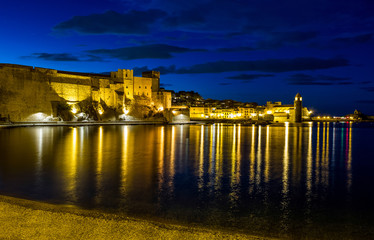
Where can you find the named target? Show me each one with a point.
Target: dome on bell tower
(298, 97)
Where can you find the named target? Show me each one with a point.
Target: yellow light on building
(101, 111)
(239, 114)
(174, 112)
(160, 109)
(287, 111)
(74, 110)
(202, 115)
(269, 112)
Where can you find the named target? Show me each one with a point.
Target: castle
(36, 94)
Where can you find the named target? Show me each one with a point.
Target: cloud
(279, 39)
(166, 84)
(249, 77)
(191, 17)
(369, 89)
(366, 101)
(269, 65)
(162, 69)
(111, 22)
(235, 49)
(355, 39)
(64, 57)
(321, 80)
(155, 51)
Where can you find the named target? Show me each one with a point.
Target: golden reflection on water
(289, 156)
(267, 155)
(125, 162)
(317, 155)
(201, 159)
(252, 162)
(285, 186)
(172, 161)
(349, 158)
(71, 166)
(259, 158)
(218, 160)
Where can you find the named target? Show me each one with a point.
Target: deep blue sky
(255, 51)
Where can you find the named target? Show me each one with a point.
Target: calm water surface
(294, 181)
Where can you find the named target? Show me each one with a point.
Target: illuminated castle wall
(31, 94)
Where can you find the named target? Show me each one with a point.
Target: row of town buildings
(276, 112)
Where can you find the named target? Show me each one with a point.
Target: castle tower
(127, 76)
(155, 75)
(298, 105)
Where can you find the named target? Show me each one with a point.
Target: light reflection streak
(72, 167)
(99, 169)
(252, 162)
(317, 155)
(333, 149)
(161, 159)
(323, 156)
(349, 158)
(309, 167)
(124, 165)
(325, 176)
(285, 189)
(39, 163)
(172, 161)
(233, 156)
(258, 159)
(267, 155)
(201, 159)
(218, 162)
(212, 161)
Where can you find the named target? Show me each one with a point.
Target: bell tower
(298, 106)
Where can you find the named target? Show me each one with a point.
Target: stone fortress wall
(33, 94)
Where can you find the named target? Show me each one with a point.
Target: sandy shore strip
(26, 219)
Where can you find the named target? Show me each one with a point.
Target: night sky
(250, 51)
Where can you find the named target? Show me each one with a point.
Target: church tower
(298, 105)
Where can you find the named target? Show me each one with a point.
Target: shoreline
(28, 219)
(193, 122)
